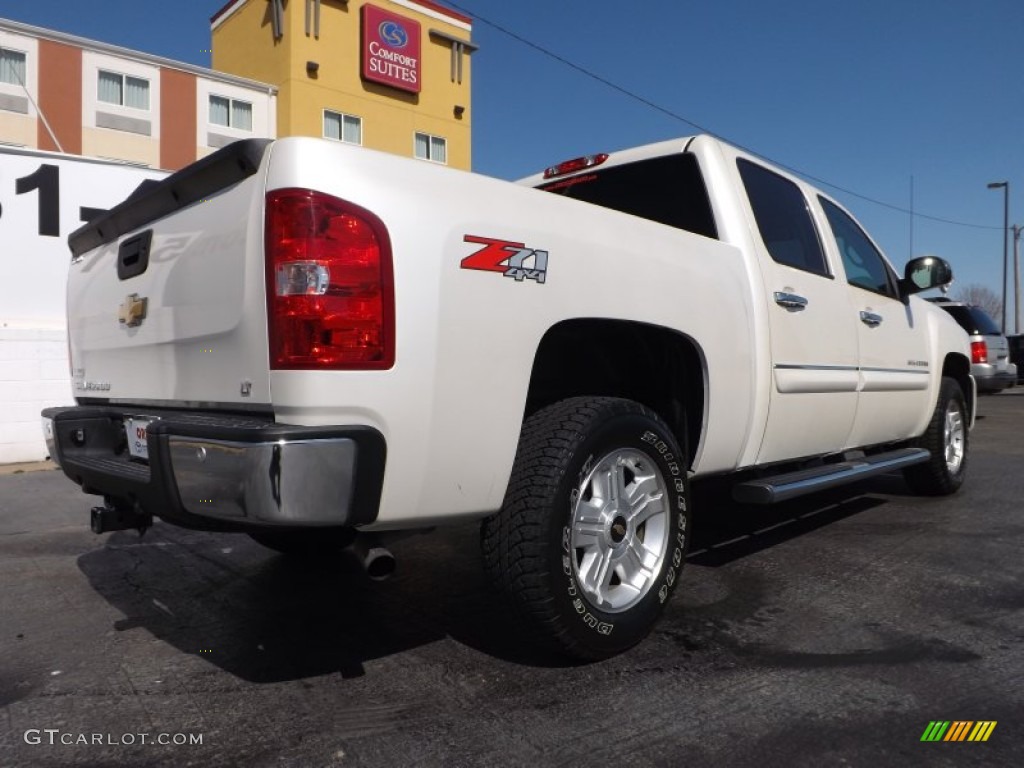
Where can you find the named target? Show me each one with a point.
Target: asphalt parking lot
(827, 631)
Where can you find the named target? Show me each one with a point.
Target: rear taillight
(979, 352)
(330, 292)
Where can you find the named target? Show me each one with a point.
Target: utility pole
(911, 217)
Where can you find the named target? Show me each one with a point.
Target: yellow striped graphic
(982, 730)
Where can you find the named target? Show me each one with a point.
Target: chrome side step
(770, 490)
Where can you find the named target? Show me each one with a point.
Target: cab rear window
(669, 190)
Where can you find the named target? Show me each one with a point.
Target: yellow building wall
(118, 145)
(243, 44)
(18, 129)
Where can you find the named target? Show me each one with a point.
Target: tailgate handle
(133, 255)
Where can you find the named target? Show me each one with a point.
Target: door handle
(871, 319)
(790, 301)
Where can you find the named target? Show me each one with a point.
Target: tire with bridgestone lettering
(591, 538)
(948, 440)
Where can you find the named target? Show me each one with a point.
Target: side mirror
(925, 272)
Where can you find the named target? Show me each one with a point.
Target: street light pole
(1016, 278)
(1005, 185)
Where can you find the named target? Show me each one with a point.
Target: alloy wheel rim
(619, 529)
(953, 437)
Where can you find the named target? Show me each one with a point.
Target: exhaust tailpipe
(376, 559)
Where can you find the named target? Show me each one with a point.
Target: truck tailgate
(170, 309)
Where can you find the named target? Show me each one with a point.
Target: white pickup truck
(322, 345)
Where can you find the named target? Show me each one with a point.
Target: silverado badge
(132, 311)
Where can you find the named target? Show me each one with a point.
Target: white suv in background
(990, 351)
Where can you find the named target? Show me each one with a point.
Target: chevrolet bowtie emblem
(132, 311)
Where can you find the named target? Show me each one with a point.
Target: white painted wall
(33, 375)
(33, 277)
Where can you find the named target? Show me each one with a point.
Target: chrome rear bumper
(223, 471)
(294, 482)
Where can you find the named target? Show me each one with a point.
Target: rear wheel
(947, 439)
(591, 538)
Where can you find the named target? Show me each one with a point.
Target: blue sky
(862, 94)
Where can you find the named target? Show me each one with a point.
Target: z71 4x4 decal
(511, 259)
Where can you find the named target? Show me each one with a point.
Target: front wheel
(591, 538)
(947, 439)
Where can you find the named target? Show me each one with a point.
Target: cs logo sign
(393, 34)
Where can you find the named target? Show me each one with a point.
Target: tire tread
(514, 540)
(932, 478)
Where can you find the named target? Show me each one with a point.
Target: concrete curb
(31, 466)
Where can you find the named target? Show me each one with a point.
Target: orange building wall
(177, 119)
(60, 95)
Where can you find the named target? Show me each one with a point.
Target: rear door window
(669, 190)
(783, 219)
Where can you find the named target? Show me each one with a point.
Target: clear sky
(862, 94)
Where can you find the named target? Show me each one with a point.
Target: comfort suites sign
(391, 49)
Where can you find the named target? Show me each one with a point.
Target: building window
(12, 67)
(433, 148)
(346, 128)
(231, 113)
(123, 90)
